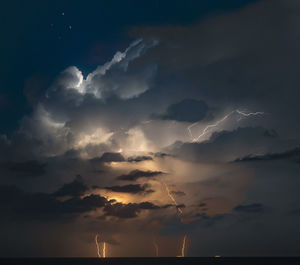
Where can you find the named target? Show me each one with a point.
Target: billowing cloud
(114, 78)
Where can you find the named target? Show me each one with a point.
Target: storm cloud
(200, 117)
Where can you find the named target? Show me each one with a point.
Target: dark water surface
(150, 261)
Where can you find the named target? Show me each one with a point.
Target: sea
(154, 261)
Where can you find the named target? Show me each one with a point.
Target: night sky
(149, 128)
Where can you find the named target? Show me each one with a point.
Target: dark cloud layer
(16, 203)
(293, 155)
(136, 174)
(139, 158)
(129, 210)
(111, 157)
(131, 188)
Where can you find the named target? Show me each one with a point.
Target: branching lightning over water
(171, 197)
(97, 245)
(183, 247)
(208, 127)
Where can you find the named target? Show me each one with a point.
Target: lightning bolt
(97, 245)
(171, 196)
(155, 247)
(208, 127)
(104, 250)
(183, 247)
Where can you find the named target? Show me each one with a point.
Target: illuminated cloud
(114, 78)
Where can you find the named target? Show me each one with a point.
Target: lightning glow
(208, 127)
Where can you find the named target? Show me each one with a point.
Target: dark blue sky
(37, 42)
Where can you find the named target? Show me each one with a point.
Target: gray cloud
(189, 110)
